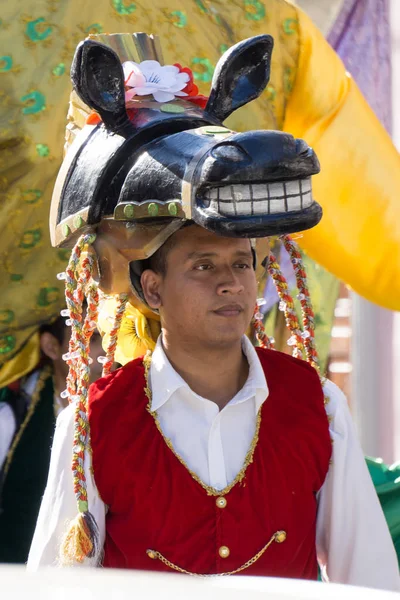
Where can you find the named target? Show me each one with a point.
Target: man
(209, 456)
(28, 411)
(208, 391)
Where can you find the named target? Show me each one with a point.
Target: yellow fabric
(38, 41)
(136, 335)
(22, 363)
(358, 239)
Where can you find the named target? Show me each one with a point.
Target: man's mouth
(229, 310)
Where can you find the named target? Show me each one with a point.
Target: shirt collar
(165, 381)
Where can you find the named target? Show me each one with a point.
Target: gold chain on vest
(278, 537)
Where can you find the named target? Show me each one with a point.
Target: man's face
(208, 292)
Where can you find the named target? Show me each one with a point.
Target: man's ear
(98, 78)
(50, 346)
(150, 282)
(240, 76)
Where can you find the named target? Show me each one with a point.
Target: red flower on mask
(191, 88)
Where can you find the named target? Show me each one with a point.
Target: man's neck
(215, 374)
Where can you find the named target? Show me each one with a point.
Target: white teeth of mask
(261, 198)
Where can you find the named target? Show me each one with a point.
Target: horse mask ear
(240, 76)
(98, 79)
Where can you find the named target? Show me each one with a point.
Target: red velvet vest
(156, 503)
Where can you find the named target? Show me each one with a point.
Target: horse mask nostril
(229, 152)
(302, 148)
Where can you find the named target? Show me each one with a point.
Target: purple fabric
(361, 37)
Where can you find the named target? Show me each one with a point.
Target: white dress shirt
(353, 542)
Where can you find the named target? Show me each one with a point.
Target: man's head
(204, 287)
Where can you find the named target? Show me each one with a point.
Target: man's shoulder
(289, 377)
(274, 359)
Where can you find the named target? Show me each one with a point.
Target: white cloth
(353, 542)
(7, 430)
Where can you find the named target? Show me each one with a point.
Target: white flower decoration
(149, 77)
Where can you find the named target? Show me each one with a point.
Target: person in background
(28, 411)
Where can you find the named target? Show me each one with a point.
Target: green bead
(152, 209)
(173, 209)
(83, 506)
(66, 230)
(172, 108)
(216, 130)
(16, 277)
(78, 222)
(129, 211)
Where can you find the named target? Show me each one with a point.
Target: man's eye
(203, 267)
(242, 266)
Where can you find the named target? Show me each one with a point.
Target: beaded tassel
(305, 301)
(82, 538)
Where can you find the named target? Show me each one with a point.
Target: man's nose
(229, 282)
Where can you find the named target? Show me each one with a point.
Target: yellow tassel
(78, 542)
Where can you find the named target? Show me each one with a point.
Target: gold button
(221, 502)
(280, 536)
(151, 554)
(224, 552)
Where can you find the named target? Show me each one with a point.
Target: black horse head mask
(141, 172)
(176, 161)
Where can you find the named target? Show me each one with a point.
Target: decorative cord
(122, 300)
(305, 301)
(261, 335)
(287, 305)
(82, 538)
